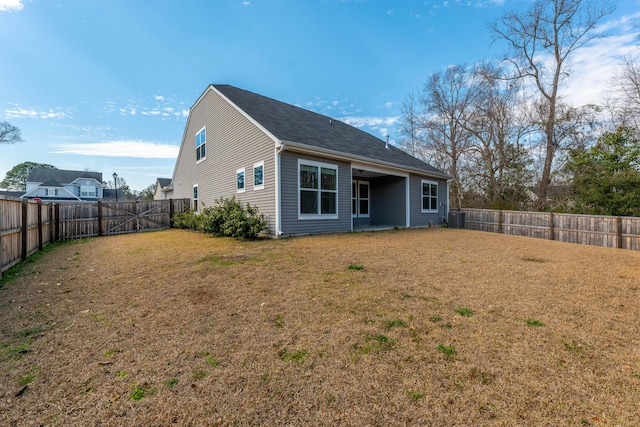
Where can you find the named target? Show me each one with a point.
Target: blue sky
(107, 85)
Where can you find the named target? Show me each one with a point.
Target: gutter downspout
(278, 152)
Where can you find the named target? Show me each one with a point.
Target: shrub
(226, 218)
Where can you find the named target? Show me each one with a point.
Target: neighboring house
(59, 185)
(163, 185)
(306, 172)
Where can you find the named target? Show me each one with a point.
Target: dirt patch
(408, 327)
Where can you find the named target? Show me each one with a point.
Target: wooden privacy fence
(608, 231)
(26, 226)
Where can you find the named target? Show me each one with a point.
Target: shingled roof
(289, 123)
(60, 176)
(164, 182)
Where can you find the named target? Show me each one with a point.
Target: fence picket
(26, 226)
(606, 231)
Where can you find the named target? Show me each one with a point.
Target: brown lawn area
(440, 327)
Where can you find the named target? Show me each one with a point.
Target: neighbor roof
(290, 123)
(164, 182)
(61, 176)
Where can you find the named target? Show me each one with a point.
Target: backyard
(400, 327)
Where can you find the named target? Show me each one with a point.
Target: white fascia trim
(308, 149)
(377, 169)
(65, 189)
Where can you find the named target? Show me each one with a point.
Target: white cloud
(18, 112)
(593, 65)
(11, 5)
(388, 104)
(372, 122)
(246, 3)
(158, 97)
(137, 149)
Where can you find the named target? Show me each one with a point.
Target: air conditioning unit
(457, 220)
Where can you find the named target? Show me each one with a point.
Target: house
(308, 173)
(163, 185)
(60, 185)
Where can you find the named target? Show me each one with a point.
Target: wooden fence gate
(27, 225)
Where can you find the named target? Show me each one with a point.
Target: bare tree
(624, 97)
(498, 158)
(409, 124)
(9, 134)
(540, 43)
(447, 101)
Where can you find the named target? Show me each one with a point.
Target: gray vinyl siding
(232, 142)
(291, 225)
(388, 201)
(419, 219)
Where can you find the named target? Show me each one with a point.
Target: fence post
(171, 212)
(25, 227)
(99, 218)
(57, 222)
(50, 207)
(500, 222)
(39, 225)
(135, 212)
(551, 226)
(619, 231)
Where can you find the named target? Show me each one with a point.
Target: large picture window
(318, 189)
(429, 196)
(201, 144)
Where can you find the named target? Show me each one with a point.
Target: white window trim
(195, 200)
(244, 180)
(257, 165)
(319, 165)
(422, 183)
(357, 198)
(202, 159)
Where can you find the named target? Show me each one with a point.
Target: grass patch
(462, 311)
(393, 323)
(171, 383)
(533, 322)
(17, 269)
(356, 267)
(199, 374)
(292, 356)
(449, 351)
(212, 361)
(532, 259)
(27, 332)
(139, 392)
(415, 395)
(435, 319)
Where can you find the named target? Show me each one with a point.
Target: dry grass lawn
(439, 327)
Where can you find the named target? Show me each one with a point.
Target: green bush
(226, 218)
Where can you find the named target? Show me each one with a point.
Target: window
(429, 196)
(86, 191)
(318, 185)
(201, 144)
(52, 191)
(195, 197)
(258, 176)
(240, 180)
(360, 199)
